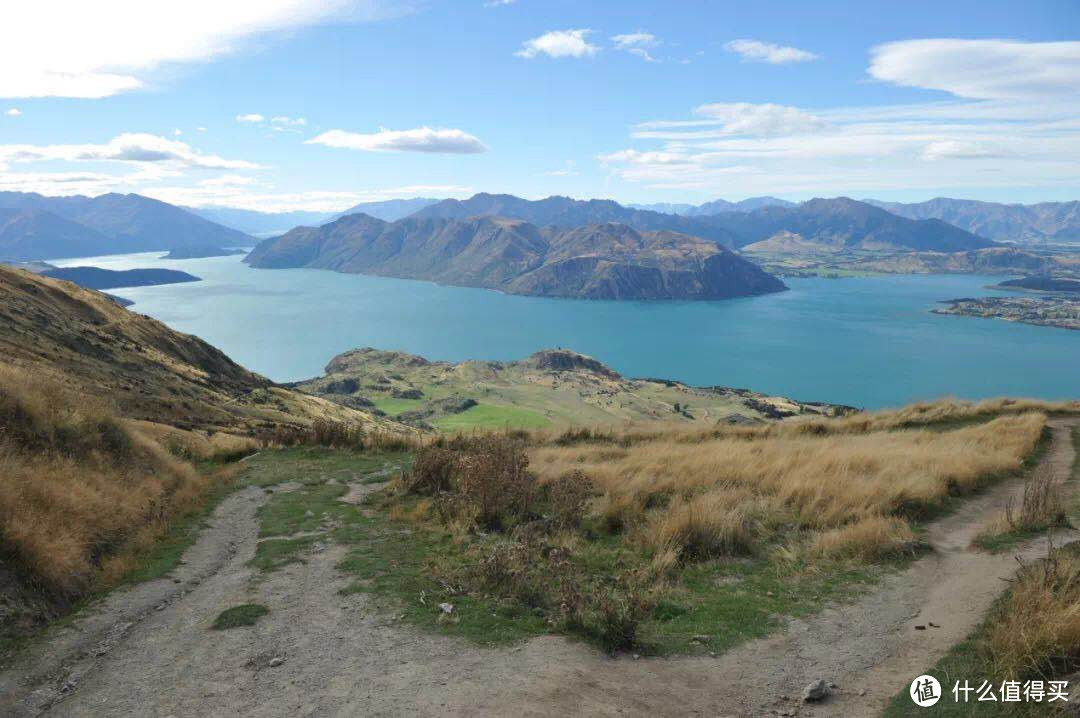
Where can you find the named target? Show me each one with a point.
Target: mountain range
(33, 226)
(1042, 222)
(715, 207)
(565, 212)
(594, 261)
(267, 224)
(839, 222)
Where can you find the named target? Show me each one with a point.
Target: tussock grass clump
(875, 538)
(1037, 631)
(79, 489)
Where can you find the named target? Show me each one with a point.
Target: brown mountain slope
(146, 370)
(599, 261)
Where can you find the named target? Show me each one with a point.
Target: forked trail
(147, 650)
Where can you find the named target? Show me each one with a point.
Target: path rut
(147, 650)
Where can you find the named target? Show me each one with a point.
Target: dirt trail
(148, 650)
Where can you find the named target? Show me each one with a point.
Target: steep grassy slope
(147, 371)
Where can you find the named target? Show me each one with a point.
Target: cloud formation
(421, 139)
(559, 44)
(758, 51)
(131, 147)
(637, 43)
(981, 69)
(253, 118)
(97, 49)
(13, 112)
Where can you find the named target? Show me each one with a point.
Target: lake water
(869, 342)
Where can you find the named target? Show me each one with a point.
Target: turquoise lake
(869, 342)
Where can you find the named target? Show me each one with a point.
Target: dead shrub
(494, 481)
(1041, 506)
(567, 497)
(432, 471)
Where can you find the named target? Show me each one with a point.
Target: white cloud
(58, 48)
(421, 139)
(726, 119)
(957, 150)
(739, 148)
(635, 39)
(288, 121)
(637, 43)
(200, 129)
(127, 147)
(498, 3)
(177, 132)
(757, 51)
(251, 118)
(13, 112)
(558, 44)
(981, 69)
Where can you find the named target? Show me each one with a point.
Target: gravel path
(148, 651)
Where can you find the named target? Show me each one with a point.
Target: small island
(1055, 310)
(98, 278)
(201, 252)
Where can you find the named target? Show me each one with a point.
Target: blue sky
(637, 101)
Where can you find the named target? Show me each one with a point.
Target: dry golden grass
(1037, 631)
(709, 494)
(79, 488)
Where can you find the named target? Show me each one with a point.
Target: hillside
(131, 222)
(789, 255)
(1042, 222)
(97, 278)
(608, 261)
(79, 337)
(848, 224)
(566, 212)
(550, 388)
(31, 234)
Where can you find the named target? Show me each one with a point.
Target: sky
(317, 105)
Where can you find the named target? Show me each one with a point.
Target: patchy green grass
(315, 465)
(244, 615)
(272, 554)
(1007, 540)
(305, 509)
(492, 416)
(393, 407)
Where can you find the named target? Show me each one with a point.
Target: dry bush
(874, 538)
(1041, 506)
(567, 497)
(1037, 630)
(77, 486)
(433, 471)
(495, 482)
